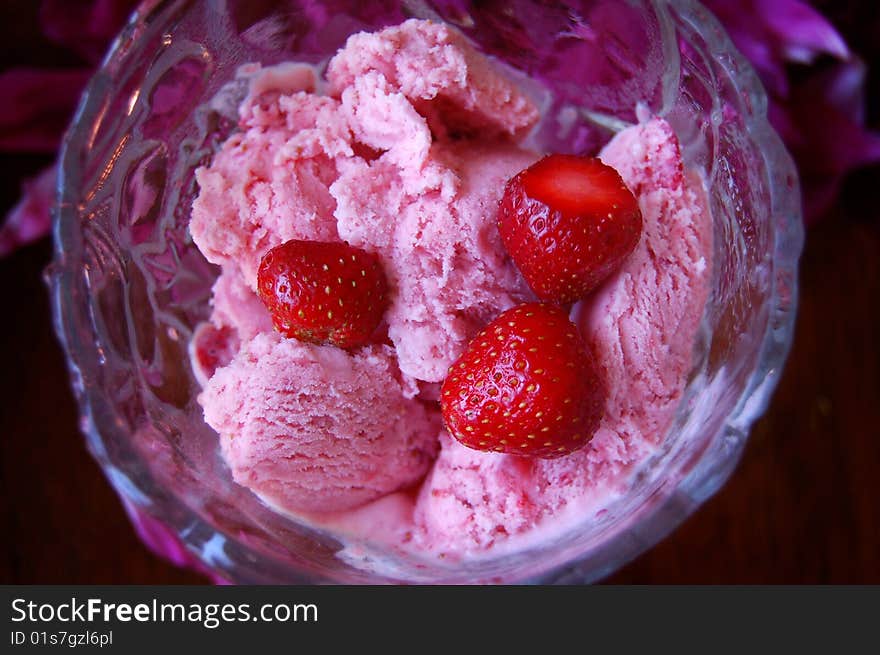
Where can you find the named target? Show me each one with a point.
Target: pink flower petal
(822, 126)
(31, 218)
(772, 33)
(802, 32)
(819, 112)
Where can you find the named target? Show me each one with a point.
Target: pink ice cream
(316, 429)
(404, 151)
(641, 326)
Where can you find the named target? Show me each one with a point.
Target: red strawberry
(526, 385)
(323, 292)
(568, 222)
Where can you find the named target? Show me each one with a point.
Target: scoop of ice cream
(641, 326)
(238, 316)
(428, 203)
(472, 499)
(269, 183)
(439, 73)
(447, 265)
(237, 307)
(315, 428)
(366, 165)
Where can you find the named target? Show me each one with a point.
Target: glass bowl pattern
(128, 285)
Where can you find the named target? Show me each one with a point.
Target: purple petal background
(38, 103)
(165, 543)
(815, 82)
(30, 219)
(816, 90)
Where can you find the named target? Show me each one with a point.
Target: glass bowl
(128, 285)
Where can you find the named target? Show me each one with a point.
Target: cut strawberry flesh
(575, 185)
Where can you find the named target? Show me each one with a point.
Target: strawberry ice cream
(317, 429)
(404, 151)
(641, 326)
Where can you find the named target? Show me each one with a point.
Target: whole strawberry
(568, 222)
(323, 292)
(526, 385)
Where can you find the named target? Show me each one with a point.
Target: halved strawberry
(525, 385)
(568, 222)
(323, 292)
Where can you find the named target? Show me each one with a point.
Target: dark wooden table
(802, 507)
